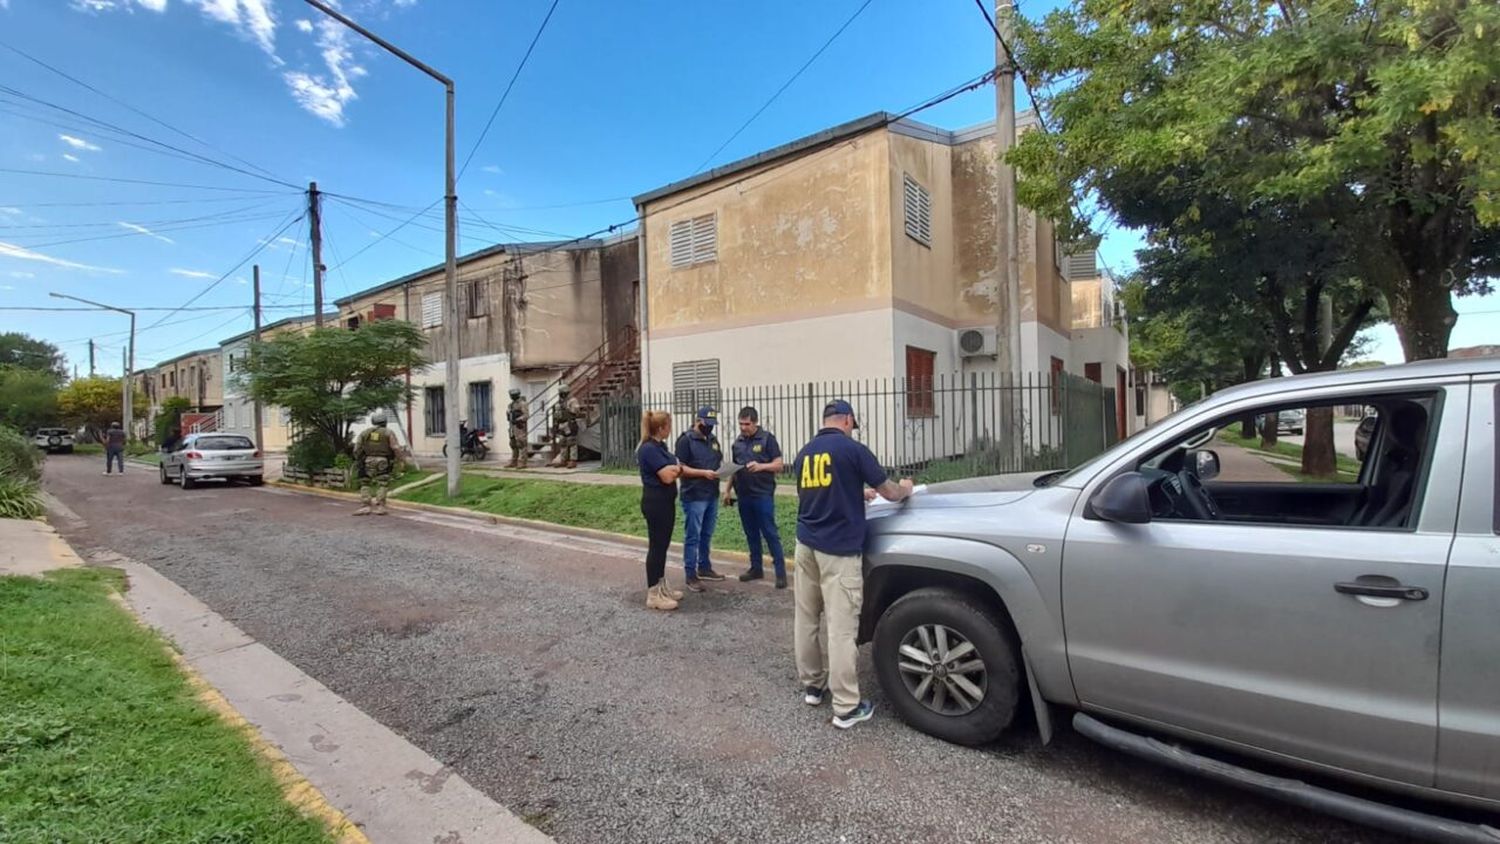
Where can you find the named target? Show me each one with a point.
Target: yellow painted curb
(294, 787)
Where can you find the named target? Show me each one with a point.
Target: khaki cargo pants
(828, 593)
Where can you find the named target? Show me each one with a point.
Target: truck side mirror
(1206, 464)
(1124, 500)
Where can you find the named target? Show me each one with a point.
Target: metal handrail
(583, 371)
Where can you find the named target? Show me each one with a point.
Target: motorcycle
(472, 443)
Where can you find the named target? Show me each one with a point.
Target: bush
(169, 417)
(311, 452)
(20, 470)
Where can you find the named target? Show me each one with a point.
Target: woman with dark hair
(659, 473)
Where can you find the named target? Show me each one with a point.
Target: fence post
(812, 410)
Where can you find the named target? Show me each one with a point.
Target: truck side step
(1296, 792)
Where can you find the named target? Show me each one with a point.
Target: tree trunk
(1268, 422)
(1424, 316)
(1318, 457)
(1252, 364)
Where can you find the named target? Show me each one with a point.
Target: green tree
(28, 398)
(169, 417)
(1381, 112)
(94, 403)
(22, 351)
(328, 378)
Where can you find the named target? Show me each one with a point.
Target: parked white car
(53, 440)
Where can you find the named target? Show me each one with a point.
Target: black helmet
(515, 393)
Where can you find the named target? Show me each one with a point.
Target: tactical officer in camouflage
(517, 416)
(567, 415)
(375, 454)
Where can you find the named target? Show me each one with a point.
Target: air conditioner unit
(976, 342)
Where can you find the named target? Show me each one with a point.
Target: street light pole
(450, 271)
(127, 394)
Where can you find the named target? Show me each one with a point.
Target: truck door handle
(1372, 590)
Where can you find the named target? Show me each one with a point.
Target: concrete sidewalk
(31, 548)
(390, 789)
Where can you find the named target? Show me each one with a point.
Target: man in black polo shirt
(833, 471)
(757, 450)
(698, 448)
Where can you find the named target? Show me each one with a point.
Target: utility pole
(91, 358)
(125, 388)
(259, 440)
(450, 193)
(315, 218)
(1007, 246)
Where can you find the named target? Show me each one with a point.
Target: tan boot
(363, 511)
(571, 464)
(666, 589)
(656, 599)
(380, 510)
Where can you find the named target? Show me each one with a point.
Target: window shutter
(432, 310)
(694, 383)
(682, 243)
(705, 239)
(917, 203)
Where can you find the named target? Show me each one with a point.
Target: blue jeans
(758, 516)
(699, 519)
(111, 456)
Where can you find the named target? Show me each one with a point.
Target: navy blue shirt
(652, 457)
(700, 452)
(760, 448)
(832, 473)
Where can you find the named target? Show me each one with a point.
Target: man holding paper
(832, 472)
(758, 456)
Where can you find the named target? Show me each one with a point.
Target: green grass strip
(102, 738)
(610, 508)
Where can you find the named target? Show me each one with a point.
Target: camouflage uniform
(518, 415)
(567, 416)
(375, 453)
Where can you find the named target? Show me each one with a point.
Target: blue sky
(617, 99)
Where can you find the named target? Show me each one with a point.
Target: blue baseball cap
(839, 407)
(708, 416)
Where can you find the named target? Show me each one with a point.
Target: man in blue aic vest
(698, 448)
(833, 471)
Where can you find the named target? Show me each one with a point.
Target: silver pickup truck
(1188, 584)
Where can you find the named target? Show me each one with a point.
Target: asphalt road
(526, 662)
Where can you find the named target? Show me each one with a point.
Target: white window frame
(694, 240)
(916, 203)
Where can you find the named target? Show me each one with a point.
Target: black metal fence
(937, 429)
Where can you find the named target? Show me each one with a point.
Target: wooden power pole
(1008, 298)
(315, 218)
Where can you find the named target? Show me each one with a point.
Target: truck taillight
(256, 454)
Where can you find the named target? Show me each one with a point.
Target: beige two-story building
(532, 316)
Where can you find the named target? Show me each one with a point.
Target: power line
(1020, 71)
(517, 75)
(137, 309)
(60, 175)
(163, 144)
(131, 203)
(249, 218)
(408, 222)
(259, 247)
(75, 80)
(112, 223)
(785, 85)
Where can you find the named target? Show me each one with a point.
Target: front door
(1254, 633)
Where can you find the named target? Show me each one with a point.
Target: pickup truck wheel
(949, 667)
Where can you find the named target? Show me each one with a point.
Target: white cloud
(325, 95)
(67, 156)
(11, 211)
(252, 19)
(304, 25)
(19, 274)
(404, 4)
(5, 286)
(36, 156)
(288, 241)
(145, 231)
(240, 280)
(10, 250)
(492, 168)
(191, 273)
(79, 143)
(488, 192)
(153, 5)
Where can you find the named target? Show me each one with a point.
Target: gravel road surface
(526, 663)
